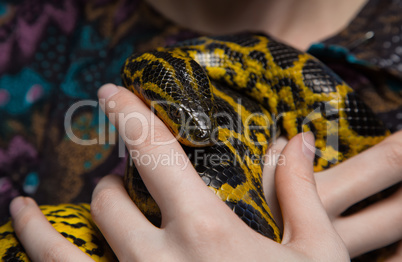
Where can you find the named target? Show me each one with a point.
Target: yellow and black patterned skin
(74, 222)
(227, 99)
(236, 94)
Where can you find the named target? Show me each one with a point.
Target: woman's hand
(350, 182)
(196, 224)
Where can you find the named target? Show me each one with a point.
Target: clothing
(55, 54)
(372, 66)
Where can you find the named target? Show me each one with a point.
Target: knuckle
(134, 127)
(102, 201)
(27, 217)
(157, 138)
(22, 221)
(137, 130)
(54, 252)
(207, 226)
(203, 229)
(392, 152)
(136, 124)
(119, 102)
(125, 112)
(302, 174)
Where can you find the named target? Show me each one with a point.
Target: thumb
(306, 224)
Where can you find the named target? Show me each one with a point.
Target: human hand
(196, 225)
(350, 182)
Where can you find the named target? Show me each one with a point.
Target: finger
(272, 158)
(118, 218)
(382, 167)
(150, 141)
(41, 241)
(370, 228)
(305, 221)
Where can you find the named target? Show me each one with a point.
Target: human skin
(196, 225)
(298, 23)
(350, 182)
(307, 21)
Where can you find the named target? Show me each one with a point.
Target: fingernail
(107, 91)
(308, 145)
(17, 205)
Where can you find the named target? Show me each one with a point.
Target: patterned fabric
(55, 54)
(368, 56)
(54, 57)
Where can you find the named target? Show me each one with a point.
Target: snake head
(179, 91)
(190, 113)
(193, 123)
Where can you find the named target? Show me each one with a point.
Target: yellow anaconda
(226, 99)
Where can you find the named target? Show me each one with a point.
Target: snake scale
(227, 98)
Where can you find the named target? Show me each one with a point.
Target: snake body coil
(236, 90)
(227, 99)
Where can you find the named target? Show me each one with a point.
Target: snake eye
(201, 134)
